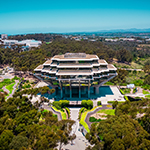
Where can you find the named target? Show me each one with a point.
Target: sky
(61, 16)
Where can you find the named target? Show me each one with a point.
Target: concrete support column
(60, 84)
(89, 89)
(70, 90)
(96, 90)
(79, 90)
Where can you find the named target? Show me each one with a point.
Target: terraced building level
(75, 75)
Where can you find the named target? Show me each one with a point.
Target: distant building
(111, 40)
(30, 43)
(130, 86)
(127, 39)
(10, 42)
(4, 36)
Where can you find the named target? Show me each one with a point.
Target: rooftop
(40, 67)
(75, 56)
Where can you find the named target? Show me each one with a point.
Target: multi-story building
(75, 75)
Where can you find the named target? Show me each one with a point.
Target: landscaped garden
(8, 84)
(61, 106)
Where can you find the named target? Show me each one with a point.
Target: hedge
(68, 111)
(83, 116)
(63, 114)
(121, 91)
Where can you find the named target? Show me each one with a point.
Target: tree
(64, 132)
(147, 80)
(118, 132)
(5, 139)
(18, 142)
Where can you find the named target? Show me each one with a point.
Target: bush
(68, 111)
(87, 104)
(57, 104)
(64, 103)
(92, 119)
(126, 98)
(121, 91)
(98, 103)
(61, 104)
(83, 109)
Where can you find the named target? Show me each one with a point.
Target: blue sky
(29, 16)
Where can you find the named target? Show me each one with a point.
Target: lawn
(145, 92)
(107, 111)
(63, 114)
(147, 96)
(1, 90)
(10, 87)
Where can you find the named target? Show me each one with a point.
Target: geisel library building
(75, 75)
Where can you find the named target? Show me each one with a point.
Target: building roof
(48, 62)
(102, 61)
(111, 67)
(38, 68)
(72, 56)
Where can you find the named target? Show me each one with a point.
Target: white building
(4, 36)
(30, 43)
(10, 42)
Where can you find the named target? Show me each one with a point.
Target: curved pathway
(93, 112)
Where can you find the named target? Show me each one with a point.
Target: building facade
(75, 75)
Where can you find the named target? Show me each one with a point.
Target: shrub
(126, 98)
(64, 103)
(121, 91)
(68, 111)
(61, 104)
(87, 104)
(83, 109)
(98, 103)
(57, 104)
(92, 119)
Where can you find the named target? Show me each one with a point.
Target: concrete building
(4, 36)
(75, 75)
(30, 43)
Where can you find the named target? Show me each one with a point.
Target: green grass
(1, 90)
(107, 111)
(10, 87)
(145, 92)
(93, 119)
(83, 116)
(109, 83)
(63, 114)
(147, 96)
(110, 102)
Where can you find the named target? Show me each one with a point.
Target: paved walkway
(80, 143)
